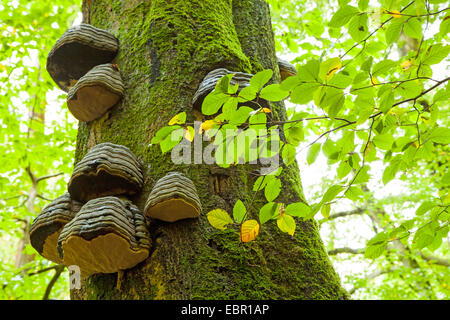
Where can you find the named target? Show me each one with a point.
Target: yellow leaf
(329, 67)
(208, 124)
(219, 218)
(395, 14)
(189, 133)
(2, 67)
(266, 110)
(286, 224)
(249, 230)
(178, 119)
(374, 81)
(406, 64)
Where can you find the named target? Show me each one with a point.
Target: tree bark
(166, 49)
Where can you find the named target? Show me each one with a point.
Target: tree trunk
(166, 49)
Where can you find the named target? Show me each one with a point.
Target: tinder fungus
(47, 226)
(78, 50)
(174, 197)
(286, 69)
(107, 169)
(107, 235)
(209, 83)
(96, 92)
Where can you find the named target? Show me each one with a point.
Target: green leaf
(326, 210)
(440, 135)
(444, 28)
(358, 28)
(239, 211)
(354, 193)
(260, 79)
(273, 92)
(295, 135)
(393, 31)
(171, 140)
(413, 28)
(303, 93)
(425, 207)
(309, 71)
(162, 133)
(383, 67)
(383, 141)
(240, 116)
(298, 209)
(363, 5)
(363, 175)
(331, 193)
(272, 189)
(286, 224)
(343, 170)
(247, 94)
(261, 182)
(342, 16)
(435, 54)
(213, 102)
(268, 211)
(313, 152)
(219, 218)
(373, 252)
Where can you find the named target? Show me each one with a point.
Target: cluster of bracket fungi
(95, 225)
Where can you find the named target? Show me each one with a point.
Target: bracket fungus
(209, 83)
(47, 226)
(286, 69)
(174, 197)
(78, 50)
(107, 235)
(96, 92)
(107, 169)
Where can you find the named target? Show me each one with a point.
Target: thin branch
(43, 270)
(346, 250)
(59, 269)
(357, 211)
(434, 259)
(49, 176)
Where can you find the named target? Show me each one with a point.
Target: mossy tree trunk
(166, 49)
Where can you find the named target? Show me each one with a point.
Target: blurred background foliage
(37, 142)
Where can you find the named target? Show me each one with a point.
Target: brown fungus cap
(107, 235)
(47, 226)
(78, 50)
(96, 92)
(107, 169)
(174, 197)
(286, 69)
(209, 83)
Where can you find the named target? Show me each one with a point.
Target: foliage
(32, 144)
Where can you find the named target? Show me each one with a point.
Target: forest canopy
(368, 115)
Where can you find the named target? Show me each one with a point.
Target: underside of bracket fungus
(47, 226)
(286, 69)
(96, 92)
(107, 235)
(209, 83)
(107, 169)
(78, 50)
(174, 197)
